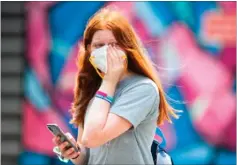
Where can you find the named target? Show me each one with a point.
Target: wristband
(104, 96)
(59, 154)
(76, 157)
(79, 154)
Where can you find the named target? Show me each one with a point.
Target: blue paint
(67, 21)
(234, 85)
(35, 92)
(32, 158)
(225, 157)
(184, 123)
(197, 153)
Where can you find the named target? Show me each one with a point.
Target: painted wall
(193, 45)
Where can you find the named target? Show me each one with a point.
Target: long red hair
(88, 81)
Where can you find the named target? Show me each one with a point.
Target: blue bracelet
(106, 98)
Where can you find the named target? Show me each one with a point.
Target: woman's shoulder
(140, 80)
(142, 83)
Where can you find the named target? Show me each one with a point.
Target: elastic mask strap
(93, 64)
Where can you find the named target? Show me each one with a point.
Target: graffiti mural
(193, 45)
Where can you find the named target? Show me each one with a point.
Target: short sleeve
(136, 103)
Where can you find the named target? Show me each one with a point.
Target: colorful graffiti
(193, 45)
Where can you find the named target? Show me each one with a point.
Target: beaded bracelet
(104, 96)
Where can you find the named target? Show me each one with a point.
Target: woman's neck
(126, 74)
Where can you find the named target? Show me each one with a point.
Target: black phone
(56, 131)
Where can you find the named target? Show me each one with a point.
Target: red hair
(88, 81)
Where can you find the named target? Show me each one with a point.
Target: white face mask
(98, 59)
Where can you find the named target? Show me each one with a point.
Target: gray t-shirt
(137, 100)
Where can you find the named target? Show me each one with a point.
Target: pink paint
(170, 135)
(66, 81)
(229, 138)
(201, 73)
(219, 27)
(42, 5)
(141, 30)
(62, 101)
(38, 41)
(182, 37)
(228, 58)
(204, 75)
(216, 117)
(62, 96)
(168, 60)
(228, 6)
(204, 78)
(123, 8)
(36, 136)
(158, 138)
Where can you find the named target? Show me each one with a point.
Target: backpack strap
(160, 133)
(159, 148)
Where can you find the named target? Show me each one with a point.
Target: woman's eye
(98, 45)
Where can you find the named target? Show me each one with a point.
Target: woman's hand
(116, 65)
(68, 153)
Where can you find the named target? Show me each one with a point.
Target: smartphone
(56, 131)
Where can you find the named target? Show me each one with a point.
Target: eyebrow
(111, 40)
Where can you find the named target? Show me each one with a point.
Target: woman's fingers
(62, 146)
(115, 55)
(73, 155)
(56, 140)
(109, 57)
(120, 55)
(68, 152)
(115, 65)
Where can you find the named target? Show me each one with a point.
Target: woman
(118, 99)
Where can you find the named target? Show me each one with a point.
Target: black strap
(154, 151)
(155, 148)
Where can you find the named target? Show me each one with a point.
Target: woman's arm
(96, 131)
(105, 123)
